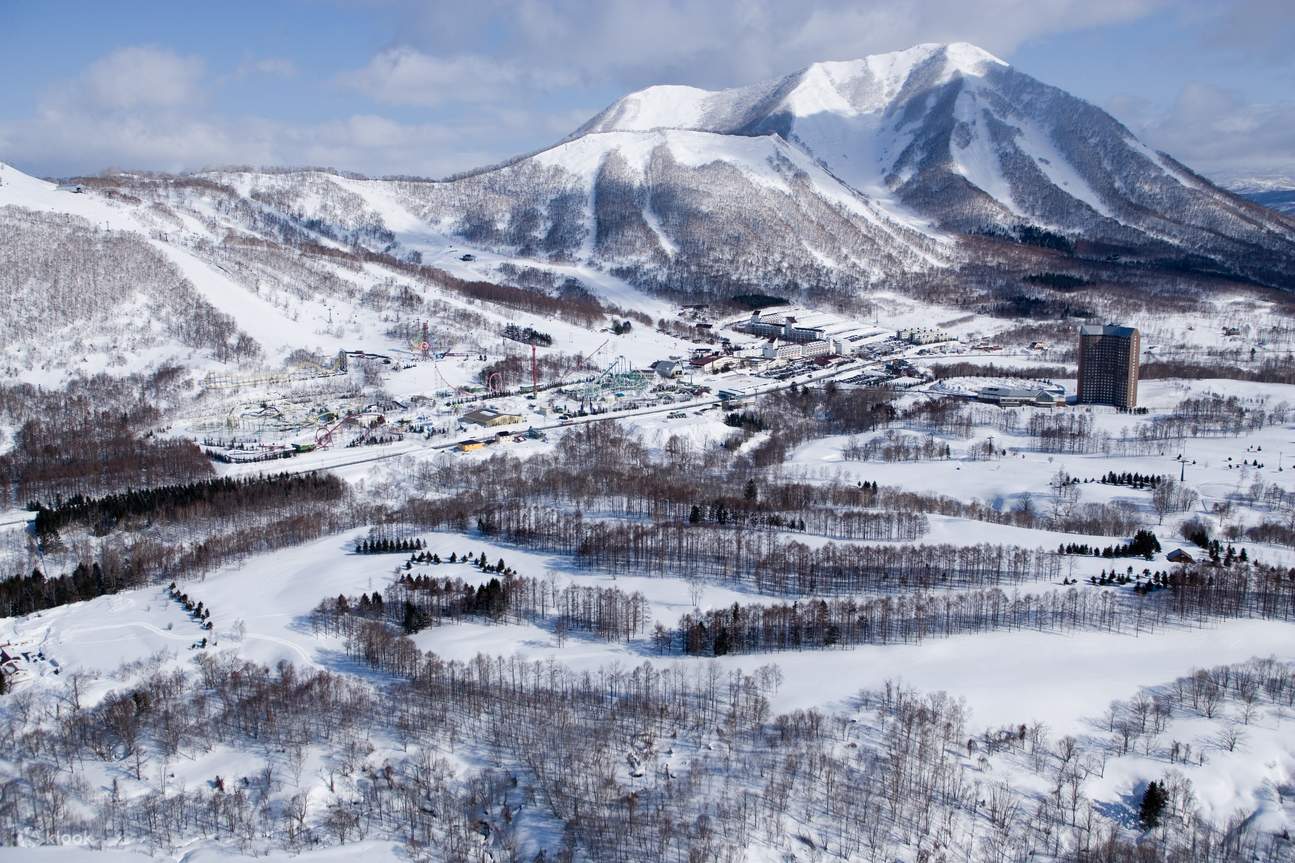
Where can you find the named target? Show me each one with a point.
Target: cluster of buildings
(786, 329)
(794, 333)
(799, 350)
(922, 335)
(1107, 375)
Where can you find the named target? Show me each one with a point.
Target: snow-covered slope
(678, 210)
(130, 272)
(685, 209)
(82, 287)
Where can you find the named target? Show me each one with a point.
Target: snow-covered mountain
(938, 169)
(1248, 183)
(959, 137)
(836, 177)
(1275, 191)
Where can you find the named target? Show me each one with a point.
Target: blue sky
(429, 88)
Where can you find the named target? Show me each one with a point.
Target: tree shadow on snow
(1125, 810)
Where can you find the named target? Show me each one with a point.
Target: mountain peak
(967, 56)
(839, 86)
(962, 57)
(953, 134)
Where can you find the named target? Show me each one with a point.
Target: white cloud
(846, 30)
(272, 67)
(405, 76)
(1249, 31)
(105, 117)
(138, 77)
(1218, 132)
(714, 43)
(62, 144)
(148, 108)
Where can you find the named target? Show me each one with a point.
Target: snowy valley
(711, 485)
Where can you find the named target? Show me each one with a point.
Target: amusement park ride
(617, 379)
(303, 369)
(366, 422)
(421, 345)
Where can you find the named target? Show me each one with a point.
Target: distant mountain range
(841, 175)
(1281, 200)
(940, 139)
(1277, 192)
(940, 165)
(1273, 190)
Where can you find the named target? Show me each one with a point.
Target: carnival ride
(302, 369)
(355, 421)
(616, 379)
(421, 343)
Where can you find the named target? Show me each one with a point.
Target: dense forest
(95, 455)
(150, 536)
(190, 502)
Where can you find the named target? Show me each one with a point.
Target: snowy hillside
(134, 272)
(93, 282)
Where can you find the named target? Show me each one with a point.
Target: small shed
(1178, 555)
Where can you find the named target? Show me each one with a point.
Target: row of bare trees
(759, 558)
(90, 437)
(1190, 596)
(606, 471)
(415, 601)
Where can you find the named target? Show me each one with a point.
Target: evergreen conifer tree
(1153, 804)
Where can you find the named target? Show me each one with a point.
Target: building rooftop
(485, 416)
(1107, 330)
(1038, 392)
(740, 382)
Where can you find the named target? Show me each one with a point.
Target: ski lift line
(576, 367)
(595, 351)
